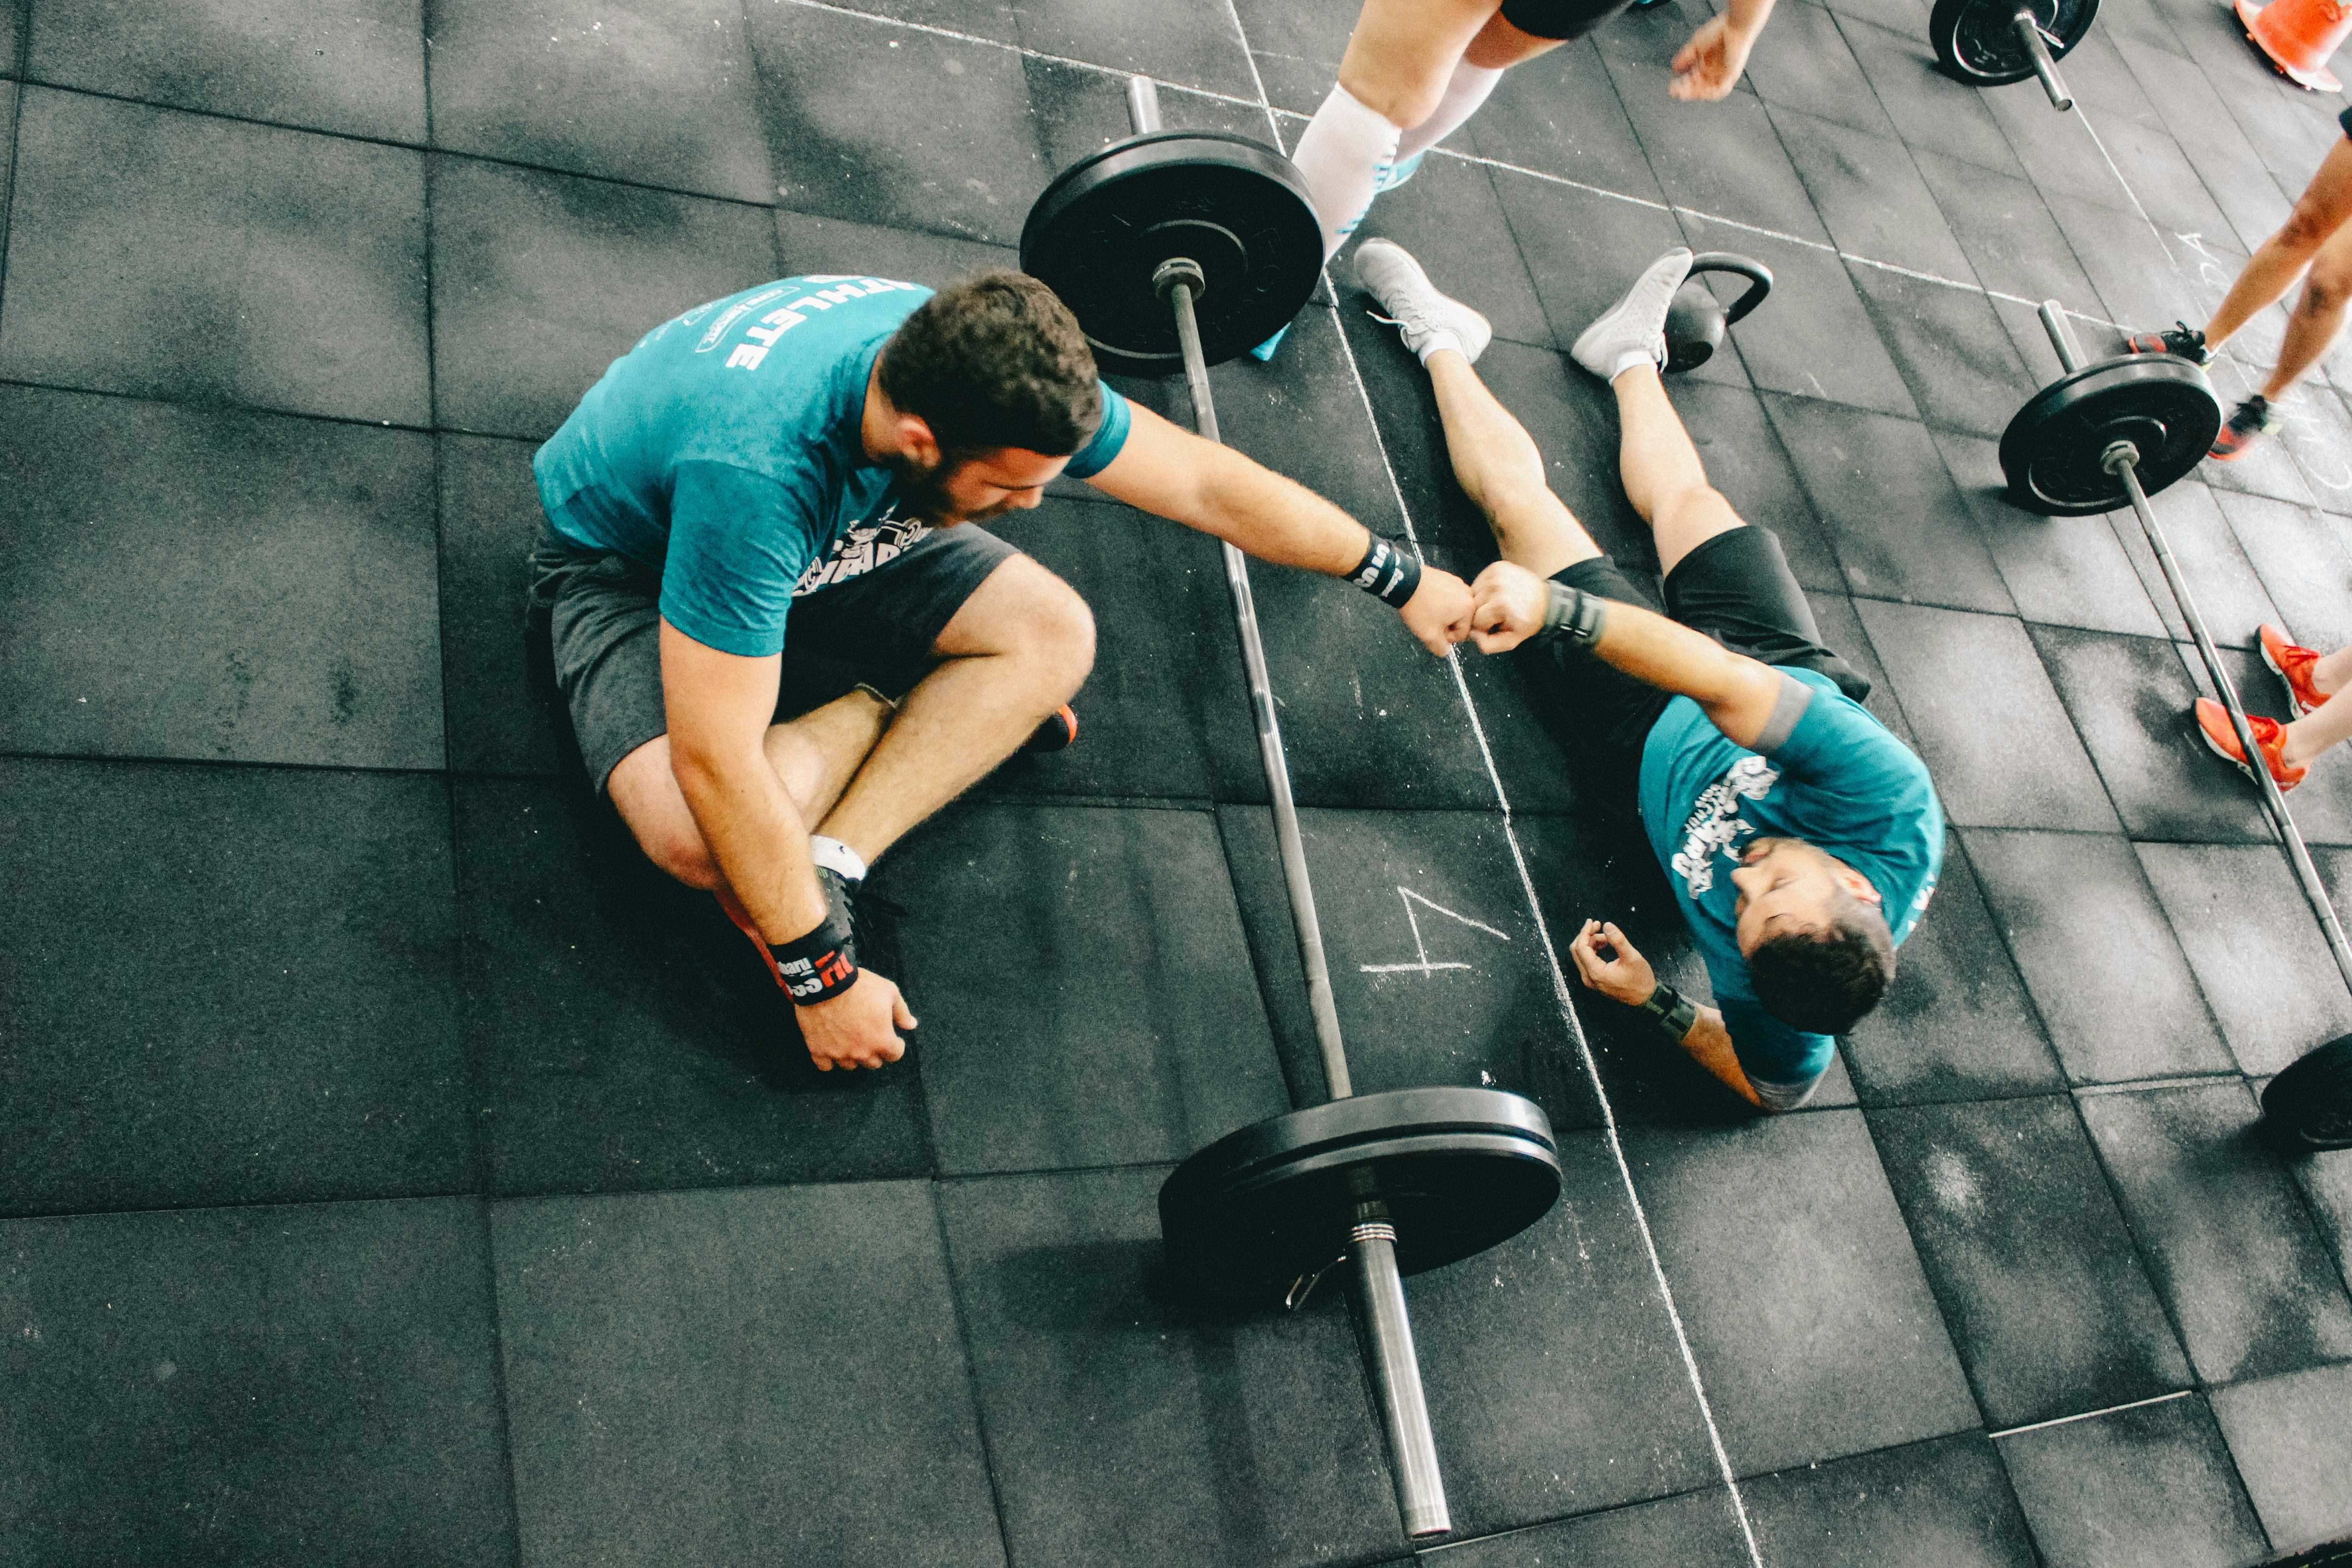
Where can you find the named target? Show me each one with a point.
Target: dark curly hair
(1824, 981)
(995, 361)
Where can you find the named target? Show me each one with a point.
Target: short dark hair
(995, 361)
(1824, 981)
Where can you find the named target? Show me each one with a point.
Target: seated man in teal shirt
(1801, 839)
(781, 641)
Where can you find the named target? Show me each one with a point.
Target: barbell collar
(1185, 270)
(2118, 457)
(1143, 104)
(1396, 1373)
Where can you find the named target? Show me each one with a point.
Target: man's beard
(922, 492)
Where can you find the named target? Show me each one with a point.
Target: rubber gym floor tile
(660, 93)
(1868, 191)
(2227, 1238)
(1540, 1412)
(2032, 340)
(1450, 218)
(1561, 115)
(993, 19)
(2290, 1440)
(968, 166)
(1697, 1530)
(1194, 46)
(1437, 970)
(807, 242)
(2304, 559)
(505, 715)
(1954, 354)
(1078, 111)
(286, 614)
(1929, 109)
(540, 280)
(2164, 181)
(1584, 248)
(1841, 632)
(1167, 665)
(624, 1036)
(2000, 748)
(1296, 50)
(1900, 527)
(2062, 571)
(2317, 434)
(2130, 701)
(1803, 63)
(2011, 242)
(2140, 279)
(1813, 338)
(1945, 1502)
(694, 1377)
(315, 1382)
(2048, 1302)
(1745, 460)
(1956, 1024)
(1722, 158)
(2232, 167)
(2103, 84)
(245, 264)
(2228, 593)
(1016, 916)
(2256, 951)
(351, 66)
(2146, 1485)
(1813, 1330)
(10, 29)
(2134, 1013)
(304, 1041)
(1129, 1423)
(2061, 151)
(2325, 1177)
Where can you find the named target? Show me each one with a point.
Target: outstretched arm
(1203, 485)
(1739, 693)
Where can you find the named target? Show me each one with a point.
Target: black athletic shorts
(601, 615)
(1737, 588)
(1560, 18)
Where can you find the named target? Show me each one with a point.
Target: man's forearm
(756, 836)
(1749, 17)
(1274, 519)
(1738, 692)
(1709, 1043)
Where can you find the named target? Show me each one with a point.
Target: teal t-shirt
(1840, 782)
(724, 451)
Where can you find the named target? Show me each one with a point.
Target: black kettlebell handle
(1758, 275)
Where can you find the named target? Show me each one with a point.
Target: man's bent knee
(645, 792)
(1025, 612)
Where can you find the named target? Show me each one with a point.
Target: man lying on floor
(1801, 839)
(814, 451)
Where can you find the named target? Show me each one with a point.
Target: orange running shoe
(2213, 721)
(2292, 666)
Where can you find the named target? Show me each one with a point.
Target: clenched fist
(1507, 607)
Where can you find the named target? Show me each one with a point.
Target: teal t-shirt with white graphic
(724, 450)
(1840, 782)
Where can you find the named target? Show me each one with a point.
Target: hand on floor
(857, 1027)
(1708, 66)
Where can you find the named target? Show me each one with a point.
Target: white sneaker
(1429, 320)
(1635, 326)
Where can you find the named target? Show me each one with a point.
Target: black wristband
(1672, 1011)
(1574, 611)
(818, 965)
(1389, 572)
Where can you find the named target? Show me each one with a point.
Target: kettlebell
(1695, 321)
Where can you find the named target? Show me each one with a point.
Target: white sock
(1631, 358)
(837, 858)
(1465, 91)
(1342, 152)
(1436, 341)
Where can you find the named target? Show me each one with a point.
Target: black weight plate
(2051, 451)
(1458, 1169)
(2310, 1103)
(1976, 40)
(1237, 207)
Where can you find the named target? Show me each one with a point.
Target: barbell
(1181, 249)
(1988, 43)
(2110, 435)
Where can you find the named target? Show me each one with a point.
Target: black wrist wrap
(818, 965)
(1389, 572)
(1673, 1012)
(1574, 611)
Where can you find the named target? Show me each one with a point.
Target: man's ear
(915, 440)
(1854, 882)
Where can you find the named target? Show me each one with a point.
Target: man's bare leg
(1498, 465)
(2279, 260)
(1018, 649)
(1660, 472)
